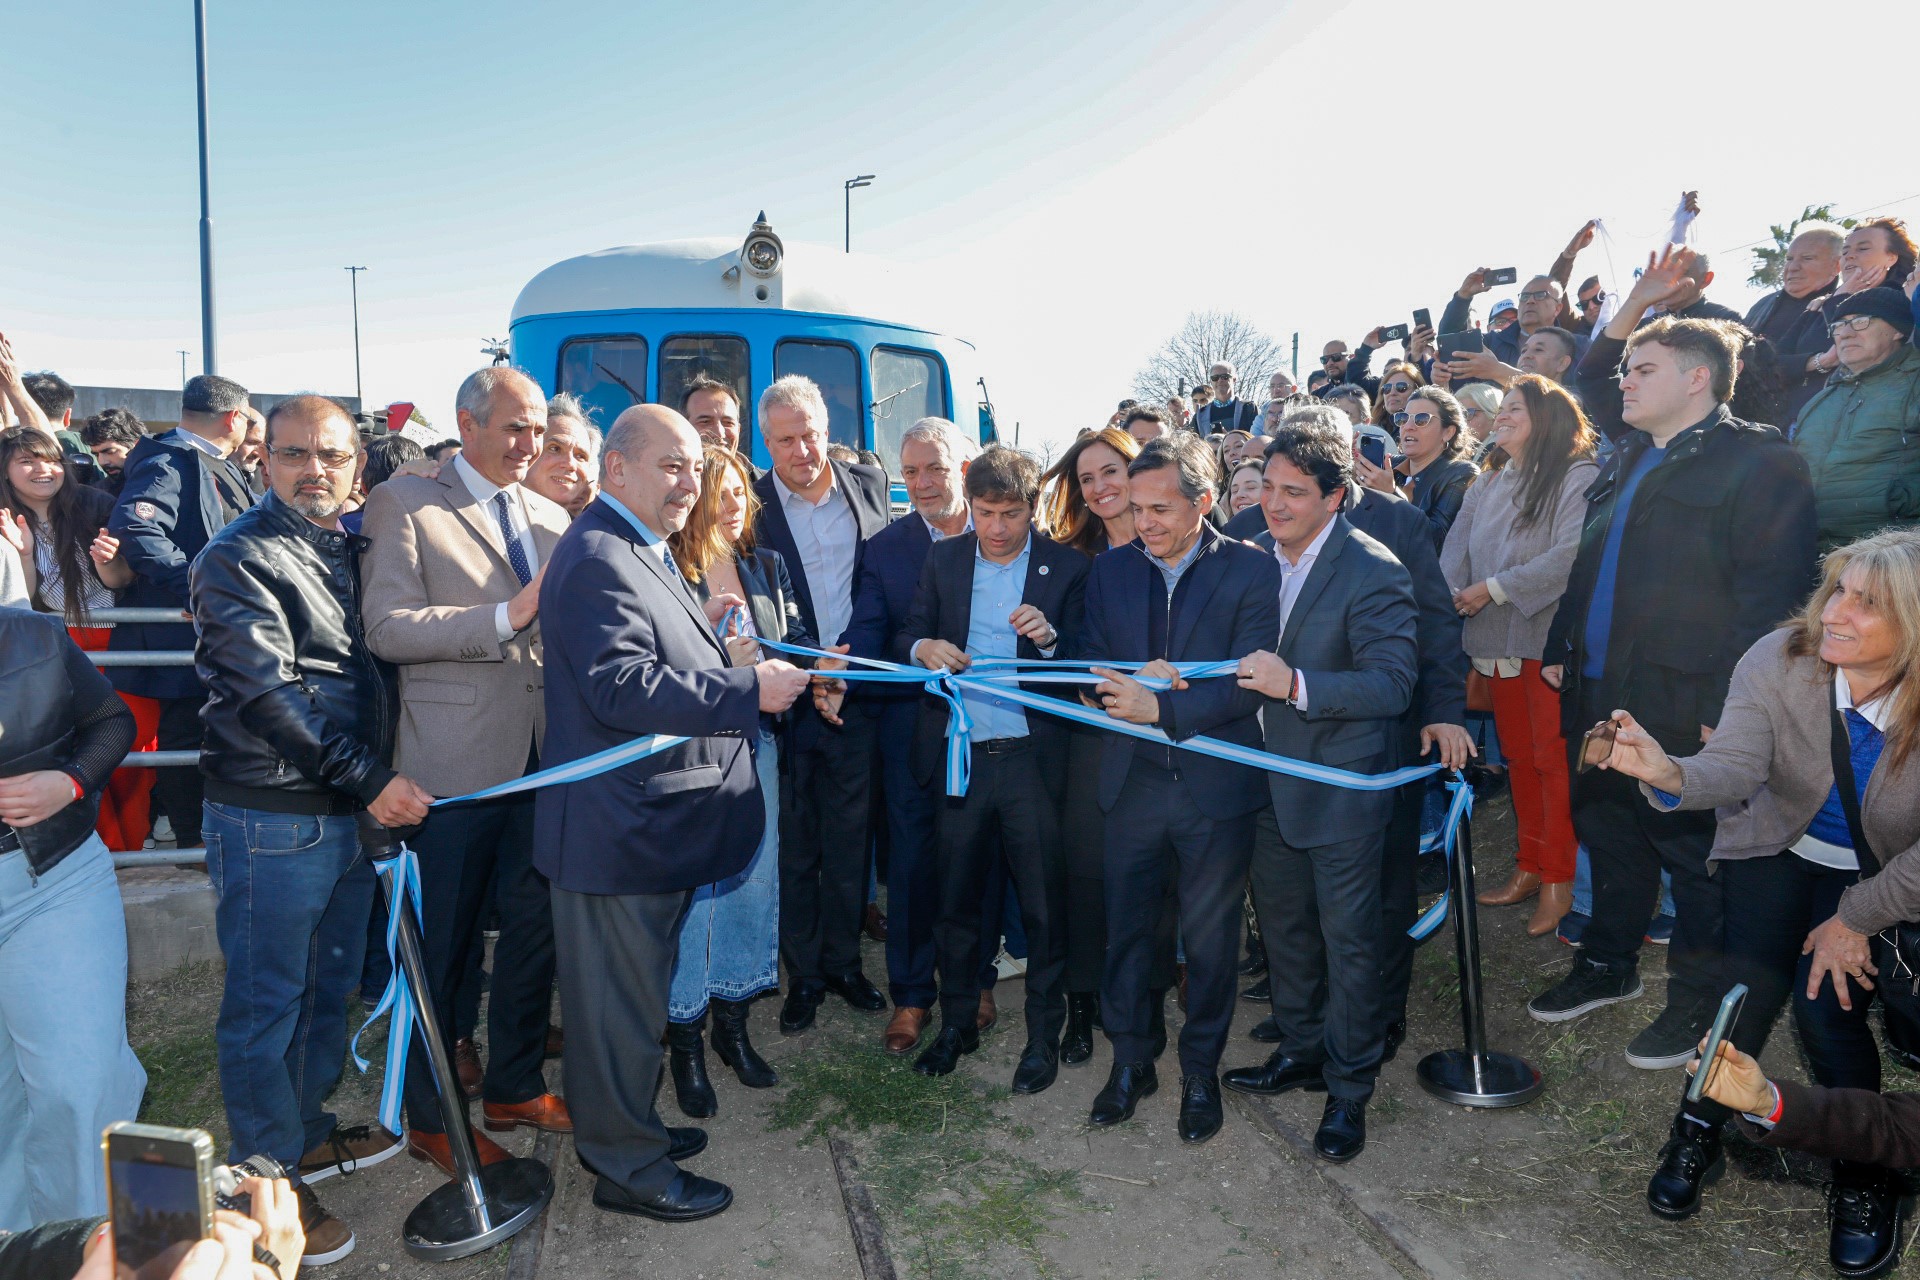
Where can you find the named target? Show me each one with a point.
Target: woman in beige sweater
(1507, 558)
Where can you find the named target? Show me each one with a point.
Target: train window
(907, 386)
(835, 369)
(607, 374)
(721, 357)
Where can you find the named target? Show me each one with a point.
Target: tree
(1769, 260)
(1204, 339)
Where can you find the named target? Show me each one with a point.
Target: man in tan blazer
(452, 598)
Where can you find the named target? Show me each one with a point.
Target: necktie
(516, 554)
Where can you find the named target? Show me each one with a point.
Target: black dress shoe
(1039, 1065)
(1261, 991)
(1127, 1083)
(1077, 1045)
(1689, 1161)
(1266, 1031)
(1199, 1108)
(685, 1143)
(1343, 1130)
(802, 1003)
(687, 1061)
(688, 1198)
(1256, 962)
(857, 991)
(1868, 1216)
(943, 1055)
(1278, 1074)
(1396, 1036)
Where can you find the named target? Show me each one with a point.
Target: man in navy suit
(934, 457)
(1181, 592)
(820, 515)
(177, 491)
(1000, 591)
(1337, 685)
(629, 652)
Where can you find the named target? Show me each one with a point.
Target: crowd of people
(1649, 566)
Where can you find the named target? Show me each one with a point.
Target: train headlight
(762, 252)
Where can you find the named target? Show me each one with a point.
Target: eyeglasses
(1341, 355)
(1419, 419)
(1535, 295)
(1221, 377)
(1395, 386)
(331, 459)
(1855, 323)
(1594, 301)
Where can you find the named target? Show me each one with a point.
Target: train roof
(709, 273)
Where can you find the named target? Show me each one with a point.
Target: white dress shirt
(483, 490)
(1812, 847)
(1293, 576)
(827, 537)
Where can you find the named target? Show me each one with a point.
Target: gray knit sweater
(1529, 565)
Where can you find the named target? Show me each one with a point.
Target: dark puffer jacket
(1860, 435)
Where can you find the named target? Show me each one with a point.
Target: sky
(1069, 180)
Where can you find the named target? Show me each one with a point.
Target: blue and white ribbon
(402, 873)
(1459, 806)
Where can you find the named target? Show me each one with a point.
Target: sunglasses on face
(1594, 301)
(1330, 359)
(1221, 377)
(1395, 386)
(1418, 419)
(1855, 323)
(1536, 295)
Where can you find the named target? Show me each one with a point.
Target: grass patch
(953, 1198)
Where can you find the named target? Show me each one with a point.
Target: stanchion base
(1502, 1079)
(441, 1229)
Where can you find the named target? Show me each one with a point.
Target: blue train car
(636, 324)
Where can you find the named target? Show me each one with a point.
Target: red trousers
(125, 809)
(1526, 711)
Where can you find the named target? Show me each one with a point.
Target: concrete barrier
(169, 920)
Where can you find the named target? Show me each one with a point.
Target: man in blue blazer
(1180, 592)
(820, 515)
(629, 652)
(178, 490)
(1336, 686)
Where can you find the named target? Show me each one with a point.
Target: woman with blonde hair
(1507, 559)
(729, 938)
(1814, 774)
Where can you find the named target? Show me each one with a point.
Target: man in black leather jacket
(299, 726)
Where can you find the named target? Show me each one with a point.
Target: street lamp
(864, 180)
(183, 354)
(206, 213)
(353, 274)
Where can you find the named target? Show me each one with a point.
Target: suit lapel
(778, 534)
(479, 521)
(759, 585)
(960, 588)
(1134, 597)
(1317, 579)
(1203, 578)
(675, 585)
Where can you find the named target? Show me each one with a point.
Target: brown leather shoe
(435, 1147)
(466, 1065)
(989, 1012)
(545, 1112)
(873, 923)
(904, 1029)
(556, 1041)
(1522, 885)
(1555, 901)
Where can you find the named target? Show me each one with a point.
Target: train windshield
(907, 386)
(607, 374)
(835, 368)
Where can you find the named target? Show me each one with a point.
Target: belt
(1003, 746)
(9, 838)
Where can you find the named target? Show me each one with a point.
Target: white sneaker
(1008, 966)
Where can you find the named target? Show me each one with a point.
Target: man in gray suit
(1344, 674)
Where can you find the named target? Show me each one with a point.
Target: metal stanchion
(1474, 1076)
(483, 1205)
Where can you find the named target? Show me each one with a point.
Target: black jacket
(775, 609)
(299, 715)
(56, 712)
(1719, 548)
(1438, 492)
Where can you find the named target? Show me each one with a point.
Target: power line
(1885, 204)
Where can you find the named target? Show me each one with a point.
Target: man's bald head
(651, 464)
(633, 430)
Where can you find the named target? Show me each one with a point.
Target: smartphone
(1452, 344)
(1393, 333)
(1597, 745)
(1503, 275)
(159, 1195)
(1374, 450)
(1723, 1021)
(1423, 319)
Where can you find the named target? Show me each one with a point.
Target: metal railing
(149, 759)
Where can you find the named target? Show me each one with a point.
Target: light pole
(183, 367)
(353, 274)
(864, 180)
(206, 211)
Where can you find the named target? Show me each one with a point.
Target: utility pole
(1296, 356)
(863, 180)
(183, 368)
(206, 210)
(353, 274)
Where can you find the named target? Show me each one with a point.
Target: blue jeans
(292, 921)
(66, 1072)
(730, 936)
